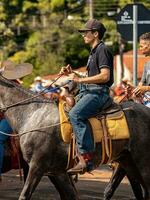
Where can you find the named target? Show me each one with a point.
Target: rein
(20, 134)
(4, 109)
(128, 95)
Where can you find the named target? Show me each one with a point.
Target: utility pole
(91, 9)
(135, 40)
(121, 51)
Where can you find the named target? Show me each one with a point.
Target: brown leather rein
(128, 95)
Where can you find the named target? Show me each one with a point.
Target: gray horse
(41, 143)
(37, 122)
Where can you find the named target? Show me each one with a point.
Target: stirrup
(80, 168)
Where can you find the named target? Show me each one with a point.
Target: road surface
(90, 187)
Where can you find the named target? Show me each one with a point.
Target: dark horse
(132, 160)
(120, 172)
(37, 121)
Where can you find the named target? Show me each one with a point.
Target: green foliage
(19, 57)
(76, 54)
(29, 6)
(44, 32)
(122, 3)
(55, 4)
(2, 12)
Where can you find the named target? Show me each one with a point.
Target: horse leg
(115, 180)
(65, 186)
(136, 187)
(25, 170)
(33, 178)
(134, 176)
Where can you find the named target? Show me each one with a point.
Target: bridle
(4, 109)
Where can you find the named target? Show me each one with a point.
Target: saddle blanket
(116, 125)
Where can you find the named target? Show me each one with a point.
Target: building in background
(128, 66)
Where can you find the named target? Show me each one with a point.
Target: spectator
(37, 85)
(144, 85)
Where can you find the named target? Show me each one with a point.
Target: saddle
(108, 125)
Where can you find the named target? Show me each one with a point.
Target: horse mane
(11, 83)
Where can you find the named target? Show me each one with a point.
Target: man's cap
(93, 25)
(12, 71)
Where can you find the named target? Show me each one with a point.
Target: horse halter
(4, 109)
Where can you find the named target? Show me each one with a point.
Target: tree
(44, 32)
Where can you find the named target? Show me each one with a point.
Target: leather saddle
(103, 128)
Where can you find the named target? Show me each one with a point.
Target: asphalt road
(90, 187)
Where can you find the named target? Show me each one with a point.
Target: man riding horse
(93, 92)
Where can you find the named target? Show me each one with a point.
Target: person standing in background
(144, 84)
(38, 87)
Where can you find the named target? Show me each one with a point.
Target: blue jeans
(4, 127)
(88, 105)
(147, 103)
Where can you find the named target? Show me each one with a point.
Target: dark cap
(93, 25)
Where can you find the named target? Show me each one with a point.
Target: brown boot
(85, 164)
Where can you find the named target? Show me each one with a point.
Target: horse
(126, 94)
(37, 122)
(136, 154)
(41, 145)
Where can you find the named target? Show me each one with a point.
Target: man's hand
(66, 70)
(75, 78)
(140, 89)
